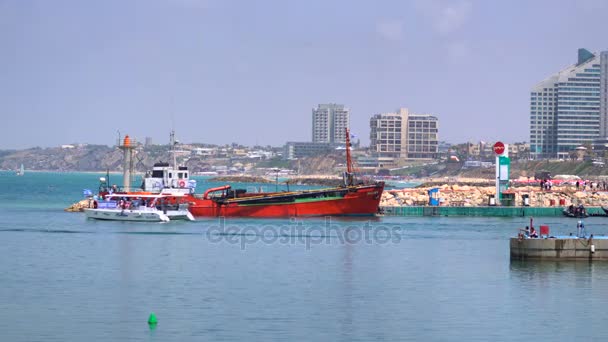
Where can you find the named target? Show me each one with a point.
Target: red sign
(499, 148)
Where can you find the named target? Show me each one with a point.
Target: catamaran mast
(172, 148)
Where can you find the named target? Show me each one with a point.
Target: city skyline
(228, 71)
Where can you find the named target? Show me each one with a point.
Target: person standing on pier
(580, 228)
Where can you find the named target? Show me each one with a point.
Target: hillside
(84, 158)
(100, 157)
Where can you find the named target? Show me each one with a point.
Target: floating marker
(152, 319)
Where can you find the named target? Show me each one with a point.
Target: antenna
(173, 142)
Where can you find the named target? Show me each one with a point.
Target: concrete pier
(560, 248)
(483, 211)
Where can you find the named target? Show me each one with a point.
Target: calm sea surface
(63, 278)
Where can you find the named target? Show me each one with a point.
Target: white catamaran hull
(138, 215)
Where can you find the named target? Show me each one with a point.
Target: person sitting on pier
(533, 233)
(524, 233)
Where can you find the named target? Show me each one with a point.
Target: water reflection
(547, 274)
(556, 266)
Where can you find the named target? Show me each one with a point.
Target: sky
(250, 72)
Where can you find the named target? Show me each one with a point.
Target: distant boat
(21, 171)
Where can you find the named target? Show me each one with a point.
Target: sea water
(66, 278)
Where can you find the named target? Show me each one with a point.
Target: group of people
(582, 185)
(528, 233)
(593, 186)
(545, 185)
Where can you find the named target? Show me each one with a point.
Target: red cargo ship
(347, 200)
(351, 198)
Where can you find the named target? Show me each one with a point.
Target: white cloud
(445, 16)
(390, 29)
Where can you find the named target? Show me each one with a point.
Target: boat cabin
(163, 176)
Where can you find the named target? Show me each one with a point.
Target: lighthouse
(127, 146)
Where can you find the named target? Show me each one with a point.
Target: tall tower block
(127, 146)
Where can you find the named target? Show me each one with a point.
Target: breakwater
(475, 196)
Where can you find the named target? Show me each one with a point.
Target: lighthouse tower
(127, 146)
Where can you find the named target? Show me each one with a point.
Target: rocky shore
(80, 205)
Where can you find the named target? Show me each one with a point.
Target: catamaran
(140, 207)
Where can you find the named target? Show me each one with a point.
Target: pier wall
(558, 249)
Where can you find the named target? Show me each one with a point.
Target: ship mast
(349, 161)
(348, 175)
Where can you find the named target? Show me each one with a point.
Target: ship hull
(356, 200)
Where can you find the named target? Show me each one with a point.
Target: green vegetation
(276, 162)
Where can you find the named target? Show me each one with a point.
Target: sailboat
(21, 171)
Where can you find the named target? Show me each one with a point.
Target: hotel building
(329, 123)
(569, 108)
(402, 135)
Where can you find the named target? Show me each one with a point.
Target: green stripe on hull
(298, 200)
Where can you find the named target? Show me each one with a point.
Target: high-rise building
(388, 134)
(329, 123)
(402, 135)
(422, 136)
(569, 108)
(604, 94)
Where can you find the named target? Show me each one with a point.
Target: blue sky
(251, 71)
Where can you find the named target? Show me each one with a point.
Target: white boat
(21, 171)
(139, 207)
